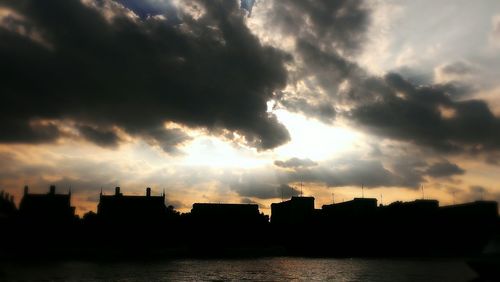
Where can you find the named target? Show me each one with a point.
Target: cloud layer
(108, 72)
(428, 116)
(102, 68)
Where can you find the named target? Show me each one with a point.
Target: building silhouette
(297, 210)
(45, 226)
(357, 206)
(478, 210)
(420, 205)
(7, 206)
(47, 208)
(419, 211)
(358, 227)
(476, 221)
(132, 209)
(211, 227)
(227, 214)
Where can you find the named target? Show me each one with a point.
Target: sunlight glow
(309, 139)
(214, 152)
(313, 139)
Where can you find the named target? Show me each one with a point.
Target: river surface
(261, 269)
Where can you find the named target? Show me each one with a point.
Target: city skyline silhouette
(286, 129)
(295, 227)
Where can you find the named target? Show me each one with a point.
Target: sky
(251, 101)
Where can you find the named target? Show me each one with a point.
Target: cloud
(462, 75)
(414, 75)
(325, 35)
(444, 169)
(263, 190)
(408, 171)
(104, 138)
(428, 116)
(135, 74)
(324, 112)
(295, 163)
(27, 131)
(167, 139)
(458, 68)
(340, 173)
(250, 201)
(341, 23)
(349, 170)
(394, 171)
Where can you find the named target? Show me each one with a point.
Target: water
(263, 269)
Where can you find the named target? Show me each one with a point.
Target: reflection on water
(263, 269)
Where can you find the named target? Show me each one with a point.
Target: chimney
(52, 189)
(26, 190)
(117, 191)
(148, 192)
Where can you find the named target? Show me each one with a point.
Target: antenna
(362, 191)
(301, 194)
(333, 198)
(381, 199)
(453, 197)
(282, 196)
(423, 195)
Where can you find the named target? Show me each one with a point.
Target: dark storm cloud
(444, 169)
(329, 67)
(320, 110)
(408, 171)
(325, 33)
(167, 139)
(335, 22)
(429, 116)
(104, 138)
(295, 163)
(14, 130)
(135, 74)
(415, 76)
(262, 190)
